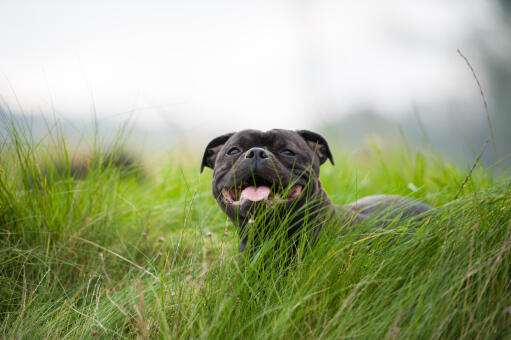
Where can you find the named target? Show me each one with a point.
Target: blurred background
(186, 71)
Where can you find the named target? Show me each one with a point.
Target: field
(115, 249)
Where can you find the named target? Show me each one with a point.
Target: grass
(107, 255)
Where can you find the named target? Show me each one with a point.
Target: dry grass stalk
(484, 103)
(472, 169)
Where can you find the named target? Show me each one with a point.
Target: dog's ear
(318, 144)
(212, 150)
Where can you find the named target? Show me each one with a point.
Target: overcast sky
(226, 65)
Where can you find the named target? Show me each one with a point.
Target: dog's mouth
(263, 192)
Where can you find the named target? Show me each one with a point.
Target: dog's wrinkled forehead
(272, 139)
(304, 143)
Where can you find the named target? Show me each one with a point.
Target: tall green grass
(108, 255)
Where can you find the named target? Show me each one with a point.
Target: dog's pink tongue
(255, 194)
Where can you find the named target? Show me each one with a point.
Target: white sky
(227, 65)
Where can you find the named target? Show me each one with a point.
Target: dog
(254, 170)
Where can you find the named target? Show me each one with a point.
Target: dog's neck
(319, 211)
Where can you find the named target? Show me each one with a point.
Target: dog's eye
(287, 152)
(233, 151)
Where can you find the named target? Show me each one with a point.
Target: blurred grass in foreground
(108, 255)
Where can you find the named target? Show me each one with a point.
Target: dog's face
(276, 167)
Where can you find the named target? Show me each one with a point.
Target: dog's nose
(256, 153)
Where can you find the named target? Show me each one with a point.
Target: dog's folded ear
(212, 149)
(318, 144)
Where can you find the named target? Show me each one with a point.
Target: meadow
(111, 249)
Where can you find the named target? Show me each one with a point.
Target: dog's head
(276, 167)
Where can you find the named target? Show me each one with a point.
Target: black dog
(280, 168)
